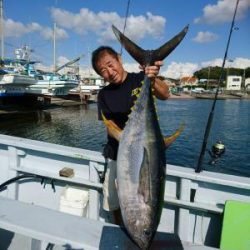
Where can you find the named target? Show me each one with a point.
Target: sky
(84, 25)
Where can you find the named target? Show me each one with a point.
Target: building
(209, 83)
(247, 84)
(234, 83)
(189, 80)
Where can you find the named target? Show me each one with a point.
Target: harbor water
(78, 126)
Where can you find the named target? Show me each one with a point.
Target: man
(115, 102)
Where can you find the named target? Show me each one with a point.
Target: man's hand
(161, 89)
(152, 71)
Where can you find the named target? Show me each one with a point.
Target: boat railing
(24, 156)
(192, 202)
(196, 201)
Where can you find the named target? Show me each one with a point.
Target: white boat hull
(17, 79)
(51, 88)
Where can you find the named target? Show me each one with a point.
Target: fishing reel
(217, 150)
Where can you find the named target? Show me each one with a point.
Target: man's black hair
(96, 54)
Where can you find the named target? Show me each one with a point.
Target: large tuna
(141, 161)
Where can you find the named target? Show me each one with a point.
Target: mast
(54, 47)
(2, 29)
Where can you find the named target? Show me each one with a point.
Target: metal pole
(243, 84)
(54, 47)
(208, 77)
(2, 29)
(125, 23)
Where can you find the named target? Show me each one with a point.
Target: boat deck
(65, 231)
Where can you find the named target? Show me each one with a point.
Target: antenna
(211, 115)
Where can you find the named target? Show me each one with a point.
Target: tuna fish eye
(147, 232)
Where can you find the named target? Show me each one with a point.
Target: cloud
(131, 67)
(205, 37)
(213, 63)
(223, 12)
(174, 70)
(61, 60)
(237, 62)
(242, 63)
(177, 70)
(18, 29)
(34, 27)
(141, 26)
(86, 21)
(48, 33)
(43, 67)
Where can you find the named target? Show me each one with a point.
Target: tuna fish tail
(148, 57)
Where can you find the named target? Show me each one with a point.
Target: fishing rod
(125, 23)
(211, 115)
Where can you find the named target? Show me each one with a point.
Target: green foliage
(247, 72)
(215, 72)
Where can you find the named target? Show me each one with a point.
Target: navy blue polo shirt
(115, 102)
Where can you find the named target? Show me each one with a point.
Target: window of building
(236, 79)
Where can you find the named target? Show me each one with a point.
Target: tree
(214, 72)
(210, 73)
(247, 72)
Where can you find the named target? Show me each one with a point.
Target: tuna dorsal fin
(145, 57)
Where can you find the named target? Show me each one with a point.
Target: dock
(8, 111)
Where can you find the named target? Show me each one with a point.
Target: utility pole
(243, 84)
(229, 63)
(208, 77)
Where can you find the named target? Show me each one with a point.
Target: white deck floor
(67, 231)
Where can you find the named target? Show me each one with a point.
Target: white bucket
(74, 201)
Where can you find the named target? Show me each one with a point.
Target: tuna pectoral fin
(113, 129)
(169, 140)
(144, 176)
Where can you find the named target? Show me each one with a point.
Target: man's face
(111, 69)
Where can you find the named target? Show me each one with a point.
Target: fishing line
(125, 23)
(210, 118)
